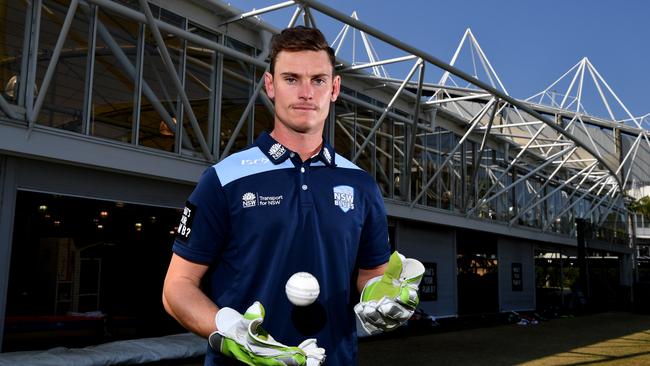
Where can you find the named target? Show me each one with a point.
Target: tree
(641, 206)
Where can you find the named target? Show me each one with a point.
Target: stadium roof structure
(550, 138)
(552, 128)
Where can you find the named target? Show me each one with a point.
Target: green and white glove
(242, 337)
(388, 301)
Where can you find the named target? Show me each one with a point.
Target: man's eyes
(316, 81)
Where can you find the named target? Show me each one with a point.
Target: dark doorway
(478, 282)
(85, 271)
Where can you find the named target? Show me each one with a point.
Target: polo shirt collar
(278, 153)
(327, 154)
(275, 151)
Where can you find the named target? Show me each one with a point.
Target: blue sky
(530, 44)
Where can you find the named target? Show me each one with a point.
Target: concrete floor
(596, 339)
(611, 339)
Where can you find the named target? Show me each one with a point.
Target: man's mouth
(303, 107)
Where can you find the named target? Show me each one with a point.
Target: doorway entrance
(478, 281)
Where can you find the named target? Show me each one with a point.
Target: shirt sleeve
(203, 229)
(374, 249)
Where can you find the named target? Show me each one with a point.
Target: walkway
(598, 339)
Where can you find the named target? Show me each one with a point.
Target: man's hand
(242, 337)
(388, 301)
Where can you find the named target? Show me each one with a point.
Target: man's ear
(268, 85)
(336, 87)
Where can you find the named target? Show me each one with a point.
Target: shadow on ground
(605, 338)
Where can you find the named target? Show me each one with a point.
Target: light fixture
(12, 87)
(100, 227)
(138, 226)
(164, 130)
(42, 208)
(103, 214)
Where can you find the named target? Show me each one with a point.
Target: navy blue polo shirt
(263, 214)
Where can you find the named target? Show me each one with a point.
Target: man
(286, 204)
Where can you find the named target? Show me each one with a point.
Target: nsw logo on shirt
(250, 199)
(276, 151)
(344, 198)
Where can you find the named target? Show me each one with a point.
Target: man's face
(302, 88)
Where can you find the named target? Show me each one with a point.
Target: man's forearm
(367, 274)
(190, 307)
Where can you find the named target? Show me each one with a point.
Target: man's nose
(306, 90)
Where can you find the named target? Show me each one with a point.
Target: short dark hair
(299, 38)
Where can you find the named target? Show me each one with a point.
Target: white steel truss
(460, 143)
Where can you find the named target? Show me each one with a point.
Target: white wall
(516, 251)
(430, 243)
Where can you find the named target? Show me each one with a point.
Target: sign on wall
(429, 284)
(517, 280)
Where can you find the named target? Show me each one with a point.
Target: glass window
(111, 114)
(384, 156)
(344, 130)
(63, 103)
(365, 119)
(11, 48)
(86, 271)
(431, 141)
(160, 108)
(238, 83)
(199, 73)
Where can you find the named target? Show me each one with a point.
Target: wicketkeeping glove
(388, 301)
(242, 337)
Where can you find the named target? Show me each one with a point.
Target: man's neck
(304, 144)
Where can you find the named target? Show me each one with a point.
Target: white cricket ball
(302, 288)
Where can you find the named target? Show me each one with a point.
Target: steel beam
(433, 60)
(484, 201)
(575, 190)
(378, 63)
(385, 112)
(242, 119)
(539, 201)
(8, 109)
(511, 164)
(124, 61)
(257, 12)
(477, 162)
(549, 179)
(309, 18)
(30, 85)
(450, 155)
(414, 128)
(32, 114)
(182, 33)
(90, 70)
(164, 53)
(457, 99)
(137, 90)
